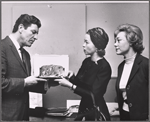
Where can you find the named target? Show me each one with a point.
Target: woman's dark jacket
(137, 88)
(93, 77)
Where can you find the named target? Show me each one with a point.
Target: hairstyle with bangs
(133, 34)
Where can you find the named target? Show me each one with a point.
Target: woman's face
(88, 46)
(121, 44)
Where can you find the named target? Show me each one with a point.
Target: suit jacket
(137, 88)
(15, 97)
(94, 78)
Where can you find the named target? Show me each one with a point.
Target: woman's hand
(64, 82)
(68, 74)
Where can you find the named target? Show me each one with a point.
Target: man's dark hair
(26, 20)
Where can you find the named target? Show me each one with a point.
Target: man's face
(28, 35)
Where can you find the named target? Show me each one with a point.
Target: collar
(97, 62)
(14, 42)
(130, 59)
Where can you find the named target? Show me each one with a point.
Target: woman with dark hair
(132, 81)
(93, 75)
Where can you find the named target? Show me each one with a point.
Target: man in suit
(16, 69)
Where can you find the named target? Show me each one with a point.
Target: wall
(105, 15)
(62, 31)
(110, 15)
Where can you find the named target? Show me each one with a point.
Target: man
(16, 69)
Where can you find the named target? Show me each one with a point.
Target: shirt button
(130, 104)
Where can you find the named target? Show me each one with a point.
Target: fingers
(36, 76)
(70, 74)
(65, 74)
(62, 77)
(58, 80)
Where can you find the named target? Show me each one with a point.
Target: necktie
(23, 58)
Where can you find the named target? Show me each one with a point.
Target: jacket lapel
(14, 50)
(135, 67)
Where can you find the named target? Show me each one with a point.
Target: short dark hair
(99, 38)
(26, 20)
(133, 34)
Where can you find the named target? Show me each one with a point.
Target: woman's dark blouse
(93, 77)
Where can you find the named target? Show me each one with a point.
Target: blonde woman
(132, 82)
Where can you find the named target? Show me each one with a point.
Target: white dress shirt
(16, 45)
(125, 77)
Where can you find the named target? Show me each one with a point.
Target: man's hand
(32, 80)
